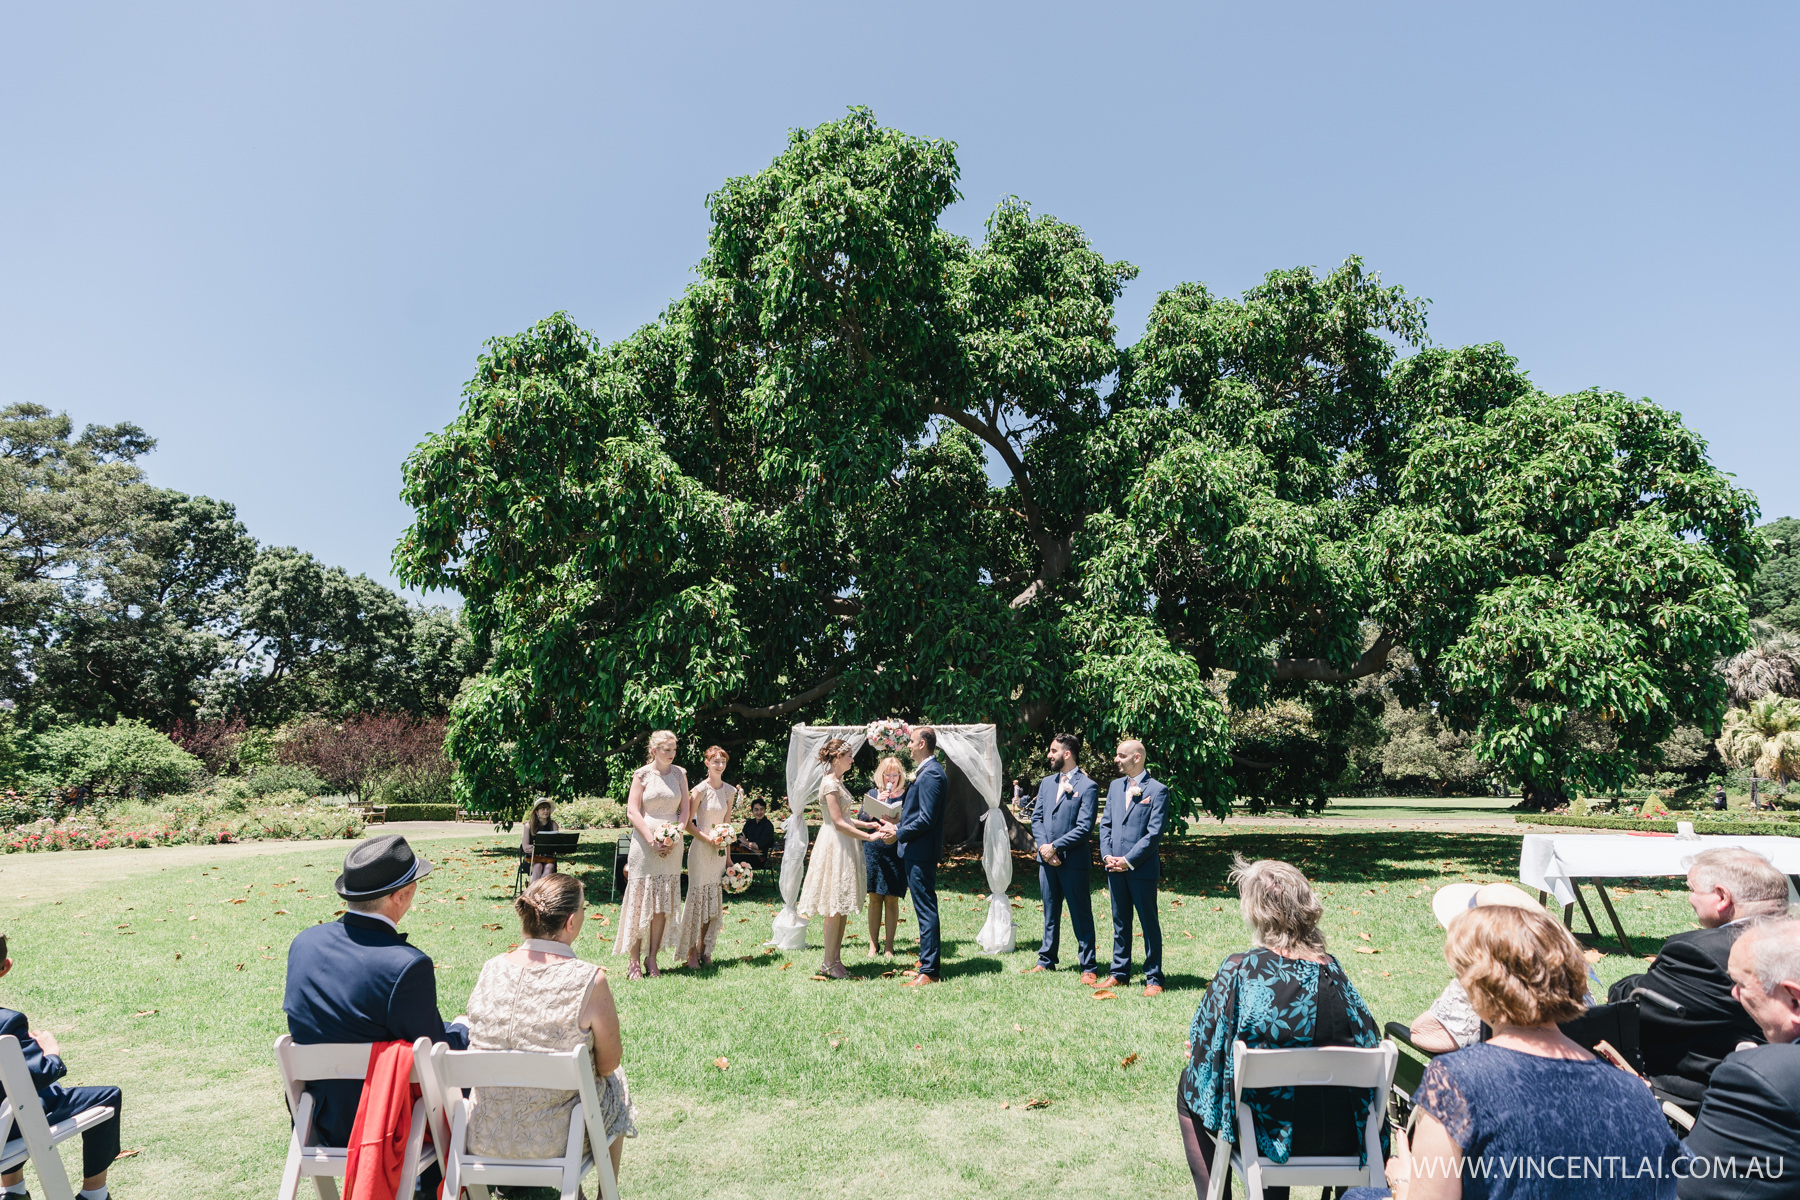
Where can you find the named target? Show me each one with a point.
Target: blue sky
(276, 236)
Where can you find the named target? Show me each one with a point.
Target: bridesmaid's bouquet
(737, 877)
(726, 832)
(665, 834)
(889, 737)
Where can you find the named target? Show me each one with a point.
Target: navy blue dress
(887, 877)
(1534, 1128)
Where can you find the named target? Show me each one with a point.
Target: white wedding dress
(835, 875)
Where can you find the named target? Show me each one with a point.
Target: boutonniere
(1133, 792)
(1067, 788)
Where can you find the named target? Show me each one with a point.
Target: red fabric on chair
(383, 1122)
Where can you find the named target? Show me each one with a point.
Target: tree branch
(842, 606)
(782, 709)
(1373, 662)
(1249, 764)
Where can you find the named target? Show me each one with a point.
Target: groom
(921, 838)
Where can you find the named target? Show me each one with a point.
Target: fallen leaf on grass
(889, 974)
(820, 978)
(741, 920)
(721, 1063)
(1035, 1103)
(147, 1012)
(1103, 994)
(1005, 1104)
(836, 1042)
(1367, 950)
(193, 918)
(1365, 937)
(1128, 1059)
(786, 965)
(495, 925)
(1386, 974)
(240, 966)
(1592, 955)
(1186, 934)
(281, 912)
(1018, 1028)
(129, 1153)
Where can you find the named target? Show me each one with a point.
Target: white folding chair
(37, 1139)
(449, 1071)
(324, 1165)
(1304, 1066)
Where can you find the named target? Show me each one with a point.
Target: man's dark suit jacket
(356, 980)
(1690, 970)
(45, 1069)
(1752, 1110)
(1132, 829)
(921, 833)
(1065, 822)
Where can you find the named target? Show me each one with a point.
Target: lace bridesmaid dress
(536, 1007)
(835, 875)
(652, 880)
(706, 873)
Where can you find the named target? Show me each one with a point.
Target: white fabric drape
(975, 749)
(804, 775)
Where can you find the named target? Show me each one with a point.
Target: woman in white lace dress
(540, 997)
(659, 793)
(835, 876)
(708, 856)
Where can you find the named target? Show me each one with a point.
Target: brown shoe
(1037, 970)
(918, 981)
(1090, 979)
(1154, 989)
(1113, 981)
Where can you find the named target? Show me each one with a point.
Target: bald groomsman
(1062, 822)
(1130, 829)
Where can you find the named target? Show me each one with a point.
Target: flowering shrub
(189, 821)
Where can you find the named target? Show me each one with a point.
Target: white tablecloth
(1549, 860)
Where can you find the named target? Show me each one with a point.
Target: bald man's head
(1130, 757)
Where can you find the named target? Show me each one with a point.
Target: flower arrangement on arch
(889, 736)
(737, 877)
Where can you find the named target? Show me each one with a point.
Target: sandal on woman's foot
(651, 972)
(836, 971)
(635, 971)
(692, 964)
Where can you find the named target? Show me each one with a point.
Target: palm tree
(1764, 736)
(1770, 667)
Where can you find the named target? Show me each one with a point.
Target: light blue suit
(1131, 830)
(1065, 821)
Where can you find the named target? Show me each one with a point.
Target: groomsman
(1136, 806)
(1061, 823)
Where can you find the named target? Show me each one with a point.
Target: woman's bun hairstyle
(831, 749)
(545, 907)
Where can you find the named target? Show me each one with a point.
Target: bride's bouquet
(667, 833)
(889, 737)
(737, 877)
(726, 832)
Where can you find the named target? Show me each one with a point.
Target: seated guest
(99, 1145)
(540, 997)
(1450, 1023)
(542, 820)
(356, 980)
(1285, 991)
(1751, 1117)
(758, 838)
(1726, 887)
(1528, 1095)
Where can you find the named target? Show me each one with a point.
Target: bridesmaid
(708, 856)
(887, 878)
(659, 792)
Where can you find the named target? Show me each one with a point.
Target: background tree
(1764, 737)
(1775, 589)
(866, 467)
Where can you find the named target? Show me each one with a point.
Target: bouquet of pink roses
(725, 832)
(737, 877)
(666, 833)
(890, 736)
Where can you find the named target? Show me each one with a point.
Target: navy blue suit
(356, 980)
(1131, 829)
(921, 844)
(1065, 821)
(99, 1145)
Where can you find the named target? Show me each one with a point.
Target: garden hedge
(421, 812)
(1744, 828)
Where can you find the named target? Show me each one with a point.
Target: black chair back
(1616, 1024)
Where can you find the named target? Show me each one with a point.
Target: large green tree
(864, 466)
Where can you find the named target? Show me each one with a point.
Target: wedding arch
(973, 749)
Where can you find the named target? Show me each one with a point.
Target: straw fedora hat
(1452, 900)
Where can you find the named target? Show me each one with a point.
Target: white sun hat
(1454, 899)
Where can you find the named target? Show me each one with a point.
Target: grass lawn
(168, 983)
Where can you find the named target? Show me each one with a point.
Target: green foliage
(414, 785)
(1420, 746)
(773, 504)
(601, 812)
(1764, 737)
(125, 759)
(284, 777)
(1775, 589)
(1760, 826)
(420, 812)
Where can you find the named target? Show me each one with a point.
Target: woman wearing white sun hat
(1450, 1023)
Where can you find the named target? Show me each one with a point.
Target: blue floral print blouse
(1269, 1001)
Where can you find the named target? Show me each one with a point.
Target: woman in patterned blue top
(1528, 1114)
(1285, 991)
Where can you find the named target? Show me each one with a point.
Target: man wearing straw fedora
(356, 980)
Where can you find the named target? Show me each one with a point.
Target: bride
(835, 875)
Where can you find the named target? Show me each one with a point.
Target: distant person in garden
(541, 998)
(758, 837)
(697, 931)
(1719, 802)
(1528, 1094)
(1062, 821)
(357, 980)
(1130, 831)
(1451, 1022)
(1751, 1117)
(881, 858)
(43, 1059)
(542, 820)
(1690, 1020)
(658, 807)
(835, 873)
(1284, 991)
(920, 838)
